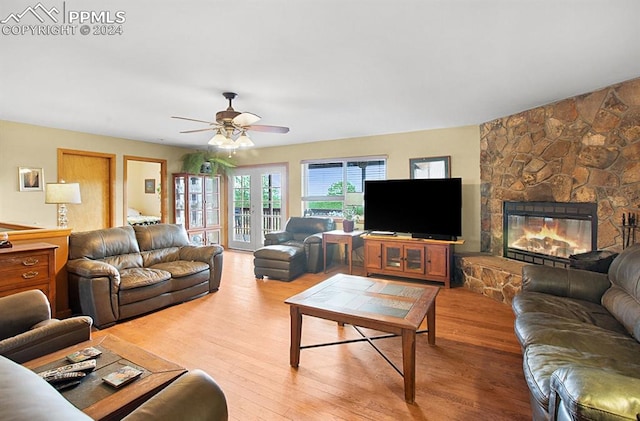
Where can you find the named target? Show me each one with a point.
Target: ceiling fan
(231, 126)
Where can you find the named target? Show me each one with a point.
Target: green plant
(192, 162)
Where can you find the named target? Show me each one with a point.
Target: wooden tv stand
(429, 260)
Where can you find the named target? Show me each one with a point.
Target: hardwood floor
(240, 336)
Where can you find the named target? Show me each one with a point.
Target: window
(323, 183)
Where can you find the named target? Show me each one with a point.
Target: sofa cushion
(182, 268)
(568, 308)
(549, 329)
(26, 396)
(142, 277)
(540, 361)
(160, 236)
(102, 243)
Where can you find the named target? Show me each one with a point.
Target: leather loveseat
(24, 395)
(294, 250)
(579, 332)
(122, 272)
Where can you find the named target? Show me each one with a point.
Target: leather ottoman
(280, 262)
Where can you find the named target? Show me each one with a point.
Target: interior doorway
(145, 190)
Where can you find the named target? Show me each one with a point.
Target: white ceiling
(328, 69)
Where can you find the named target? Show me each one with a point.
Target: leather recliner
(27, 330)
(305, 233)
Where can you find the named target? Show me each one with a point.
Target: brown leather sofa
(193, 396)
(294, 250)
(580, 333)
(118, 273)
(27, 330)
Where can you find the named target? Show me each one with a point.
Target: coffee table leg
(431, 323)
(296, 335)
(409, 364)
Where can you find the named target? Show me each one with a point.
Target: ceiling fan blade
(193, 119)
(269, 129)
(245, 119)
(199, 130)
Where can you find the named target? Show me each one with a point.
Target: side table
(351, 240)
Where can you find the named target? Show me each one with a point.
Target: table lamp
(61, 194)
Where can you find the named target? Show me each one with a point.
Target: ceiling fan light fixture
(244, 141)
(228, 144)
(218, 139)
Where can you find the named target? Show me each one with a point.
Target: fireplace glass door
(558, 237)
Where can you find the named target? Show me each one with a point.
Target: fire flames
(548, 239)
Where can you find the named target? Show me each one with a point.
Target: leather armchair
(306, 233)
(27, 330)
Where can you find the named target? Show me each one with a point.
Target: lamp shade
(62, 193)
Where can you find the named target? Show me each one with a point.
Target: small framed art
(432, 167)
(30, 179)
(150, 185)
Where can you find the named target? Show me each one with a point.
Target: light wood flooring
(240, 336)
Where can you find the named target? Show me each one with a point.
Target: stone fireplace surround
(581, 149)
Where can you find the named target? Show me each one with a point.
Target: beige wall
(34, 146)
(24, 145)
(462, 144)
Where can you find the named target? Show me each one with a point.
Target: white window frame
(342, 198)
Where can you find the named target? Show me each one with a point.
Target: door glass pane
(242, 208)
(179, 200)
(271, 202)
(393, 257)
(414, 259)
(195, 203)
(212, 208)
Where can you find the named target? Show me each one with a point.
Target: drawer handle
(31, 261)
(30, 275)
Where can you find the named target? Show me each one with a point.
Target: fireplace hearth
(548, 233)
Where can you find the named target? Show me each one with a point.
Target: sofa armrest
(586, 393)
(87, 268)
(212, 255)
(21, 311)
(46, 338)
(571, 283)
(277, 237)
(193, 396)
(314, 239)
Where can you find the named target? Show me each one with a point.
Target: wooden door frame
(112, 175)
(163, 183)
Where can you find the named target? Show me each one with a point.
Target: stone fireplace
(548, 233)
(584, 149)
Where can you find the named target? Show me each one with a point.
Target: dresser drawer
(29, 266)
(24, 267)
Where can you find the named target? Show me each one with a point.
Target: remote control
(66, 385)
(85, 366)
(65, 377)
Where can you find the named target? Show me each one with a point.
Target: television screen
(425, 208)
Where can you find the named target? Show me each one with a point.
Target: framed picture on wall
(431, 167)
(150, 185)
(30, 179)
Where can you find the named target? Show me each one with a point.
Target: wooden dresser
(29, 266)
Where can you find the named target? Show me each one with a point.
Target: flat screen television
(425, 208)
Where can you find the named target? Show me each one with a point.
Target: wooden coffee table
(101, 401)
(388, 306)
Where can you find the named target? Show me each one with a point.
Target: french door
(257, 198)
